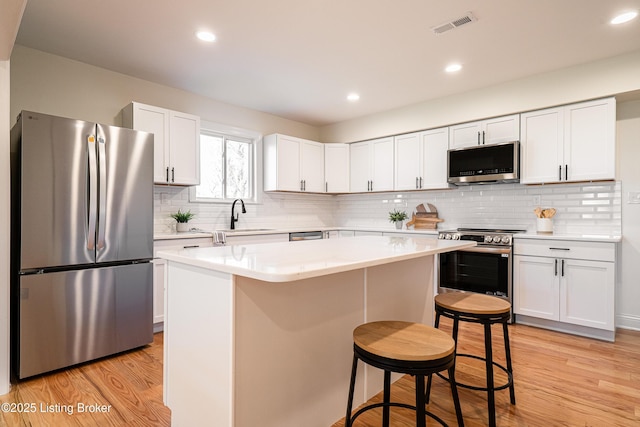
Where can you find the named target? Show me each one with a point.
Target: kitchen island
(262, 334)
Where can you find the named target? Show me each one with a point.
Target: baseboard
(628, 321)
(568, 328)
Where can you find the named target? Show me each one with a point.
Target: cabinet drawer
(596, 251)
(171, 244)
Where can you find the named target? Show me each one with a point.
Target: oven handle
(485, 249)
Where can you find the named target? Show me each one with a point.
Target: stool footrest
(473, 387)
(396, 404)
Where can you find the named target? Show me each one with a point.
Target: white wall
(55, 85)
(628, 132)
(4, 226)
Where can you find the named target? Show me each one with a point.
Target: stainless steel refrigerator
(81, 241)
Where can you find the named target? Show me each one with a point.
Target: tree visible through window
(226, 168)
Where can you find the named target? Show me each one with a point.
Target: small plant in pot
(397, 217)
(182, 218)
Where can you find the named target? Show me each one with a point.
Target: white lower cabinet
(160, 272)
(565, 281)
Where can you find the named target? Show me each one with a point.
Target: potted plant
(397, 217)
(182, 218)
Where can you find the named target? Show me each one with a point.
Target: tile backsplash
(586, 208)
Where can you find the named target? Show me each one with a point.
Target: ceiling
(299, 59)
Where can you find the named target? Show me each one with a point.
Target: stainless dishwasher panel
(305, 235)
(75, 316)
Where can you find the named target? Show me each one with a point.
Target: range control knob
(506, 240)
(488, 239)
(456, 237)
(447, 236)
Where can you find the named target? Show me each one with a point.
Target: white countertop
(288, 261)
(576, 237)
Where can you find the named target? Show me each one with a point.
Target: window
(227, 167)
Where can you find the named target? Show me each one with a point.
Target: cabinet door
(288, 164)
(589, 147)
(382, 166)
(501, 129)
(155, 120)
(434, 158)
(312, 166)
(541, 146)
(184, 148)
(587, 293)
(465, 135)
(535, 287)
(336, 168)
(360, 166)
(407, 161)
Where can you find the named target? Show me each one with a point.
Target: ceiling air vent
(454, 23)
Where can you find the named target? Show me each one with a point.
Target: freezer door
(125, 202)
(54, 205)
(72, 317)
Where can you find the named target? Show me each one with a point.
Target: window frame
(255, 138)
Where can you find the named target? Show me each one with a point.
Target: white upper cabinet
(490, 131)
(421, 160)
(293, 164)
(336, 168)
(371, 165)
(176, 142)
(570, 143)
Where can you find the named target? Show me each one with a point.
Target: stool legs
(421, 417)
(386, 398)
(491, 400)
(507, 352)
(352, 385)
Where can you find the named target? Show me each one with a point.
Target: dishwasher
(305, 235)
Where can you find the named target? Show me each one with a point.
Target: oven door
(482, 269)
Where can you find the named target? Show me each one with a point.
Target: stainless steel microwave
(487, 164)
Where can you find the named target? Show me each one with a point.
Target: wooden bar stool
(407, 348)
(486, 310)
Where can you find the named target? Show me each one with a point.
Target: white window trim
(256, 138)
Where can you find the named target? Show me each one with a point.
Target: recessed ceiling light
(206, 36)
(624, 17)
(452, 68)
(353, 97)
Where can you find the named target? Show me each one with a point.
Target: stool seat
(403, 341)
(472, 303)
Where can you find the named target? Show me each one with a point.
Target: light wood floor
(561, 380)
(131, 383)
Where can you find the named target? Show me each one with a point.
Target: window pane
(211, 167)
(238, 169)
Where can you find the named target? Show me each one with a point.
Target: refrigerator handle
(102, 194)
(93, 191)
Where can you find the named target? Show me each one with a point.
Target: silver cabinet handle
(478, 137)
(417, 182)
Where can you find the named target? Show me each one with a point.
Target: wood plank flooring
(125, 390)
(561, 380)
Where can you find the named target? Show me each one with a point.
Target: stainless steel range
(486, 268)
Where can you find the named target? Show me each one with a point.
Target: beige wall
(55, 85)
(4, 226)
(593, 80)
(628, 133)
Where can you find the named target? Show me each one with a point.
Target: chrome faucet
(236, 216)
